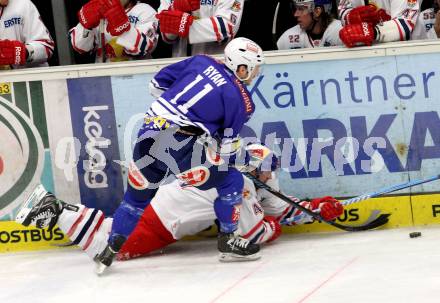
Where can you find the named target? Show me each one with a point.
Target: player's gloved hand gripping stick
(370, 224)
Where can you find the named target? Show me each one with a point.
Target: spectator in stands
(265, 21)
(428, 23)
(424, 23)
(378, 22)
(436, 28)
(199, 26)
(115, 30)
(24, 39)
(316, 26)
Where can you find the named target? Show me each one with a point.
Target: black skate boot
(106, 257)
(235, 248)
(41, 209)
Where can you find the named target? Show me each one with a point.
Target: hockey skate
(106, 257)
(235, 248)
(41, 209)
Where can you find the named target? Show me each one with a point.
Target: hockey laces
(240, 242)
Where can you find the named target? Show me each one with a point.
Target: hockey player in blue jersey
(200, 109)
(191, 132)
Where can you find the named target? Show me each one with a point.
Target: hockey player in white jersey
(378, 21)
(115, 30)
(425, 22)
(24, 39)
(424, 28)
(178, 211)
(205, 25)
(316, 27)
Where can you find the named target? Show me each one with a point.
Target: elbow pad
(387, 32)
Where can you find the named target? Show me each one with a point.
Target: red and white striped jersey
(296, 37)
(216, 22)
(137, 43)
(20, 20)
(404, 14)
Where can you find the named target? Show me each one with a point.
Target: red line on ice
(328, 279)
(238, 282)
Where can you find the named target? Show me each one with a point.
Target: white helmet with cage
(243, 51)
(311, 4)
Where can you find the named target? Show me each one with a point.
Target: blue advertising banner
(94, 125)
(344, 127)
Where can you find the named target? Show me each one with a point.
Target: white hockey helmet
(311, 4)
(243, 51)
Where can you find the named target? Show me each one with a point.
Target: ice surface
(374, 266)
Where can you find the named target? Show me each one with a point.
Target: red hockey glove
(175, 22)
(329, 207)
(90, 14)
(117, 19)
(185, 5)
(12, 52)
(357, 34)
(366, 13)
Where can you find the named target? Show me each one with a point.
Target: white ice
(374, 266)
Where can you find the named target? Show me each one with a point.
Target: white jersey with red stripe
(424, 24)
(20, 20)
(188, 210)
(404, 14)
(137, 43)
(216, 22)
(296, 37)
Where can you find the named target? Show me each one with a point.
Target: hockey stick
(388, 190)
(371, 223)
(274, 27)
(102, 40)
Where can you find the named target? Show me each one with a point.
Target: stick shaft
(379, 221)
(102, 40)
(387, 190)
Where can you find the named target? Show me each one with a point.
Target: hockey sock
(86, 227)
(125, 219)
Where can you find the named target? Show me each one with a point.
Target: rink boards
(417, 210)
(345, 122)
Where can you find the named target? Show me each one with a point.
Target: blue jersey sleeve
(239, 108)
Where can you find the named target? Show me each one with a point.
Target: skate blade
(231, 257)
(38, 193)
(100, 268)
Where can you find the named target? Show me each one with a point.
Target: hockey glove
(12, 52)
(117, 19)
(357, 34)
(90, 14)
(185, 5)
(328, 207)
(366, 13)
(175, 22)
